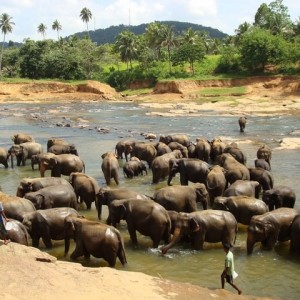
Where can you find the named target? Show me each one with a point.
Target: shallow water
(264, 273)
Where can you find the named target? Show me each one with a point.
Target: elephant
(86, 188)
(106, 195)
(177, 146)
(270, 227)
(234, 169)
(295, 236)
(145, 216)
(61, 164)
(217, 148)
(110, 167)
(182, 139)
(264, 177)
(24, 151)
(191, 150)
(94, 238)
(59, 195)
(182, 198)
(265, 153)
(15, 207)
(190, 169)
(63, 149)
(202, 149)
(20, 138)
(242, 207)
(47, 224)
(34, 184)
(262, 164)
(279, 196)
(215, 182)
(236, 152)
(210, 226)
(17, 232)
(162, 148)
(134, 168)
(4, 157)
(243, 188)
(242, 123)
(120, 148)
(143, 151)
(37, 158)
(55, 141)
(160, 165)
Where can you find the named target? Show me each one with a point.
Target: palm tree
(190, 36)
(42, 29)
(6, 27)
(169, 41)
(56, 26)
(86, 16)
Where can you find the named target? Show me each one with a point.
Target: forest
(270, 45)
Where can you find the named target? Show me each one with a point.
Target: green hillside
(108, 35)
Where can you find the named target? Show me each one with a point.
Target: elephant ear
(194, 226)
(271, 232)
(53, 161)
(40, 203)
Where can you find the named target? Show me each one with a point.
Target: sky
(225, 15)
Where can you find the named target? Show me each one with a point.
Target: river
(96, 127)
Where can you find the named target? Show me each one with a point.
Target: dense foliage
(270, 44)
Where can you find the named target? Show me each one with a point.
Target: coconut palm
(6, 27)
(86, 16)
(42, 29)
(56, 26)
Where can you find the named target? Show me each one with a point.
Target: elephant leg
(78, 251)
(197, 240)
(47, 241)
(132, 233)
(85, 252)
(35, 241)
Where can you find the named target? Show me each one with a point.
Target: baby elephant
(242, 123)
(134, 168)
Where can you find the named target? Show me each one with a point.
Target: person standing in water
(3, 231)
(229, 273)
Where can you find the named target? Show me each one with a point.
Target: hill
(108, 35)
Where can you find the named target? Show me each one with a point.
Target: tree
(6, 27)
(126, 45)
(169, 41)
(242, 29)
(42, 29)
(190, 53)
(56, 26)
(86, 16)
(259, 47)
(274, 17)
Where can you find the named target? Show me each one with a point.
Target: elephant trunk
(12, 160)
(176, 237)
(67, 245)
(250, 243)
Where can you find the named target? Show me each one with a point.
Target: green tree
(242, 29)
(259, 48)
(56, 26)
(274, 17)
(126, 45)
(86, 16)
(42, 29)
(190, 53)
(6, 27)
(169, 41)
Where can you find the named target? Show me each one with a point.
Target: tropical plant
(6, 27)
(86, 16)
(42, 29)
(126, 45)
(56, 26)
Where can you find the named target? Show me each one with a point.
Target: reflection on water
(264, 273)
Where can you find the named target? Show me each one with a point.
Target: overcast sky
(225, 15)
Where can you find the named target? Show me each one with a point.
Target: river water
(274, 273)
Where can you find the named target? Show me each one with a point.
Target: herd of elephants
(217, 191)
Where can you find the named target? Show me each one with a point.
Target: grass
(137, 92)
(237, 90)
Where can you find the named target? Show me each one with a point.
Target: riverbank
(28, 273)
